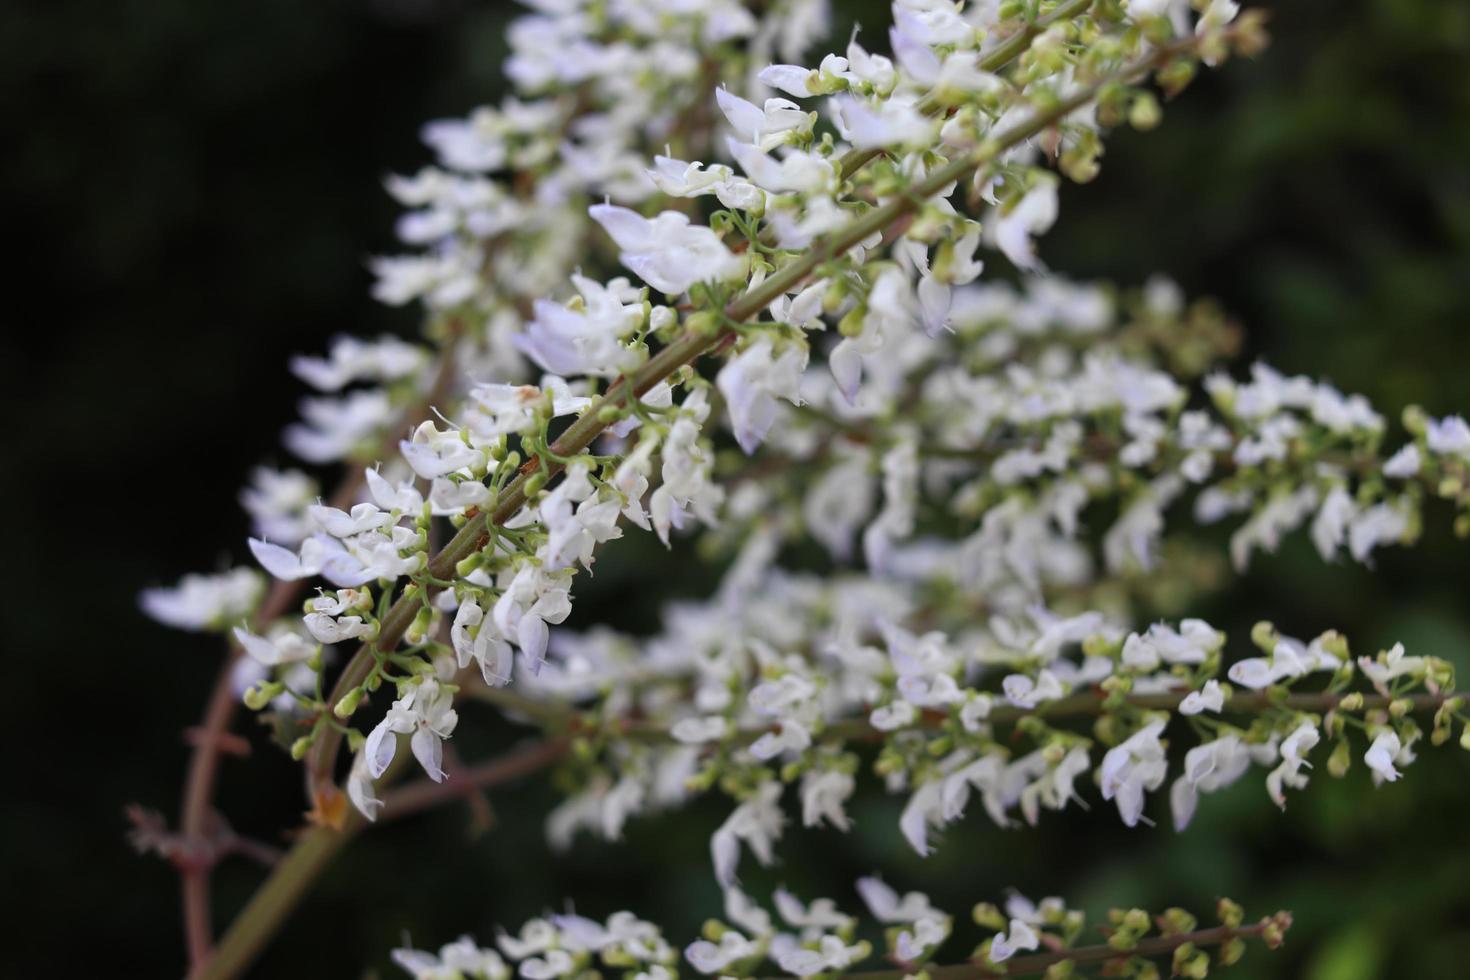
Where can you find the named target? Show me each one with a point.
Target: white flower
(1383, 523)
(360, 787)
(807, 173)
(433, 452)
(1403, 464)
(888, 908)
(1390, 664)
(1032, 215)
(870, 127)
(1294, 749)
(459, 960)
(766, 126)
(831, 954)
(280, 648)
(667, 252)
(708, 957)
(476, 638)
(1207, 768)
(1330, 526)
(427, 712)
(821, 914)
(823, 794)
(351, 359)
(1021, 937)
(752, 380)
(1382, 754)
(204, 602)
(535, 596)
(1136, 765)
(791, 79)
(1025, 692)
(277, 501)
(1448, 436)
(758, 823)
(1211, 697)
(586, 337)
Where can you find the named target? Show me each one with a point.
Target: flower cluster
(1004, 479)
(818, 939)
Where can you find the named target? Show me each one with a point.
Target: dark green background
(191, 190)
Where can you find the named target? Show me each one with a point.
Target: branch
(308, 857)
(196, 860)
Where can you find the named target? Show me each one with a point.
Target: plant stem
(203, 769)
(309, 856)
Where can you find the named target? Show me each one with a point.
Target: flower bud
(300, 747)
(1191, 962)
(989, 916)
(419, 628)
(851, 324)
(1145, 113)
(348, 705)
(1341, 759)
(1175, 921)
(1230, 913)
(258, 695)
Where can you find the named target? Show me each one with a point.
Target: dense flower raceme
(783, 683)
(1006, 464)
(817, 938)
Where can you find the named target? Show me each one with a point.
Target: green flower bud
(348, 705)
(1191, 962)
(258, 695)
(300, 747)
(1145, 112)
(1341, 759)
(1231, 914)
(1175, 921)
(989, 916)
(419, 628)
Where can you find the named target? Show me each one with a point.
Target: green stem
(274, 900)
(309, 856)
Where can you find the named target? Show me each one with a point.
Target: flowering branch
(823, 942)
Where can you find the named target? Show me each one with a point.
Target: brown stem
(213, 731)
(290, 879)
(425, 793)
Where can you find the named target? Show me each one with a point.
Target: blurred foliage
(191, 192)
